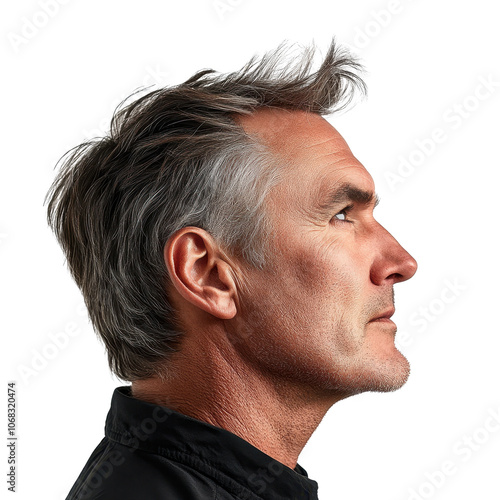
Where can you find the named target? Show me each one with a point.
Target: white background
(427, 62)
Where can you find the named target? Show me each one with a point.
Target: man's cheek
(312, 268)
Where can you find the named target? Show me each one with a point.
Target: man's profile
(224, 241)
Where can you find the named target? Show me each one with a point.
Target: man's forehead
(292, 132)
(315, 153)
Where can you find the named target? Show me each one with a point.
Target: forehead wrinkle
(323, 151)
(335, 158)
(336, 138)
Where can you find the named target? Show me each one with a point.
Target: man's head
(333, 267)
(217, 204)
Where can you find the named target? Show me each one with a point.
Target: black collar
(215, 452)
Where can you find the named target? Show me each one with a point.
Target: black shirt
(151, 452)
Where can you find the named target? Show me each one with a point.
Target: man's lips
(384, 316)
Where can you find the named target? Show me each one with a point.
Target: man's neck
(217, 387)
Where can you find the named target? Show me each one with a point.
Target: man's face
(309, 316)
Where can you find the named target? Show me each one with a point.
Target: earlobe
(199, 273)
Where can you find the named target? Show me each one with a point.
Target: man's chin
(392, 375)
(386, 370)
(380, 376)
(388, 380)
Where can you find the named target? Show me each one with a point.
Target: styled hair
(173, 158)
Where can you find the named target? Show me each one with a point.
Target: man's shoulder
(117, 472)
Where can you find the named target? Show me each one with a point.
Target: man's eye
(342, 215)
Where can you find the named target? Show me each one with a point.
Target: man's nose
(393, 263)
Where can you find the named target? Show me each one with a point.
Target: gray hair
(173, 158)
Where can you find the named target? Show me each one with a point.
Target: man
(224, 240)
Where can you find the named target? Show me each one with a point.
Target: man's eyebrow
(349, 193)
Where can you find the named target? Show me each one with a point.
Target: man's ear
(199, 272)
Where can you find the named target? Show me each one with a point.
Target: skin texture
(268, 352)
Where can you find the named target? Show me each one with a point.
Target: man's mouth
(384, 317)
